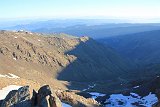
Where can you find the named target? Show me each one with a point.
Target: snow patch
(136, 87)
(10, 75)
(65, 105)
(95, 94)
(15, 59)
(134, 100)
(13, 76)
(89, 87)
(6, 90)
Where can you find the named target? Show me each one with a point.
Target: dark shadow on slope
(94, 62)
(141, 48)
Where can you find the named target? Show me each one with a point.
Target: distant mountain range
(54, 23)
(94, 28)
(100, 31)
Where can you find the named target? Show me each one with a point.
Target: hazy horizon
(137, 10)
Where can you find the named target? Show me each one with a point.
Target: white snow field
(119, 100)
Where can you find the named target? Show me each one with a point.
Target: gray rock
(17, 98)
(23, 94)
(11, 99)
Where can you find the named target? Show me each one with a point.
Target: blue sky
(79, 8)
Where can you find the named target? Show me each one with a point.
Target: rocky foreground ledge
(21, 98)
(44, 97)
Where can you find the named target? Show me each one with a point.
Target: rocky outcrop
(45, 98)
(21, 98)
(76, 100)
(18, 98)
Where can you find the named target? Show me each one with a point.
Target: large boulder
(42, 96)
(45, 98)
(44, 91)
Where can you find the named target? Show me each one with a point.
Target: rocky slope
(36, 56)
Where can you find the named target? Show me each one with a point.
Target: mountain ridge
(53, 54)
